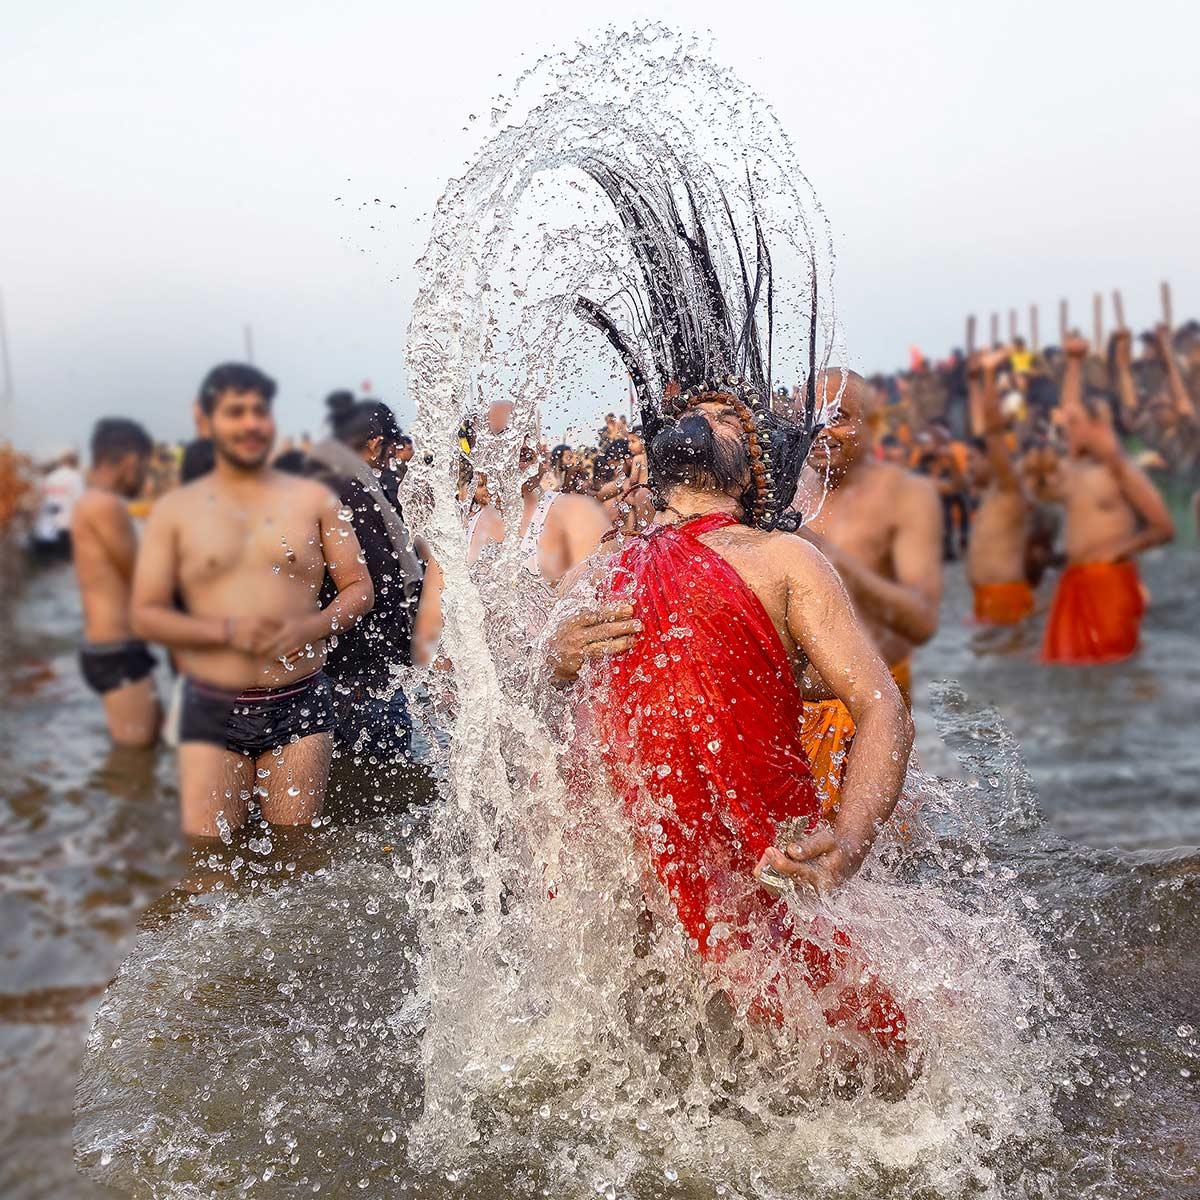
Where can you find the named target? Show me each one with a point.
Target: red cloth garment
(700, 725)
(1096, 616)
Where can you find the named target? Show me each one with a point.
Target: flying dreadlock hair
(702, 348)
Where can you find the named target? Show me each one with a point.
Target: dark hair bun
(339, 403)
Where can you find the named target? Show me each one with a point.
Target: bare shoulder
(96, 507)
(176, 504)
(908, 493)
(803, 563)
(306, 493)
(583, 516)
(583, 578)
(908, 487)
(571, 504)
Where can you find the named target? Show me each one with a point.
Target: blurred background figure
(116, 665)
(360, 464)
(58, 491)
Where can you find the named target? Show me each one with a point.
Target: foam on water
(489, 999)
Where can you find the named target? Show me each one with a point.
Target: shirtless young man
(998, 551)
(880, 526)
(557, 529)
(1113, 513)
(247, 549)
(115, 664)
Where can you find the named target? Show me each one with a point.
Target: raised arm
(1123, 362)
(1076, 350)
(975, 411)
(823, 623)
(994, 431)
(1175, 385)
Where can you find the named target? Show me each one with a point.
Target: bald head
(847, 434)
(857, 400)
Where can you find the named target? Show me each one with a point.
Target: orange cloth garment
(902, 673)
(1096, 615)
(1003, 603)
(827, 731)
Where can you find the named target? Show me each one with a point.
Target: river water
(226, 1087)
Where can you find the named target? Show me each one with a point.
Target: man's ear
(202, 422)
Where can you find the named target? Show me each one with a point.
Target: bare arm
(975, 409)
(1175, 385)
(427, 624)
(152, 611)
(344, 562)
(909, 604)
(823, 623)
(489, 527)
(999, 458)
(1070, 393)
(1126, 390)
(105, 519)
(580, 628)
(1154, 518)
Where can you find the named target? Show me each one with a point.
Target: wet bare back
(104, 549)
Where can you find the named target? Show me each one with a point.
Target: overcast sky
(170, 173)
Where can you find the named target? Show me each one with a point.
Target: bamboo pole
(1035, 344)
(970, 335)
(1063, 320)
(1098, 322)
(1012, 325)
(1165, 293)
(995, 330)
(1118, 308)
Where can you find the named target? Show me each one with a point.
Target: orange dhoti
(1003, 603)
(1096, 615)
(827, 732)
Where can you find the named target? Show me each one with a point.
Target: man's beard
(244, 460)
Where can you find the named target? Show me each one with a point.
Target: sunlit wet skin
(1001, 525)
(878, 524)
(815, 624)
(1113, 511)
(104, 547)
(247, 549)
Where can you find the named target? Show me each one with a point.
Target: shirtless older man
(1113, 513)
(246, 548)
(881, 528)
(116, 664)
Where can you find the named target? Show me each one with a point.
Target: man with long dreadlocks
(709, 619)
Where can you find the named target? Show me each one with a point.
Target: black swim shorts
(107, 666)
(258, 720)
